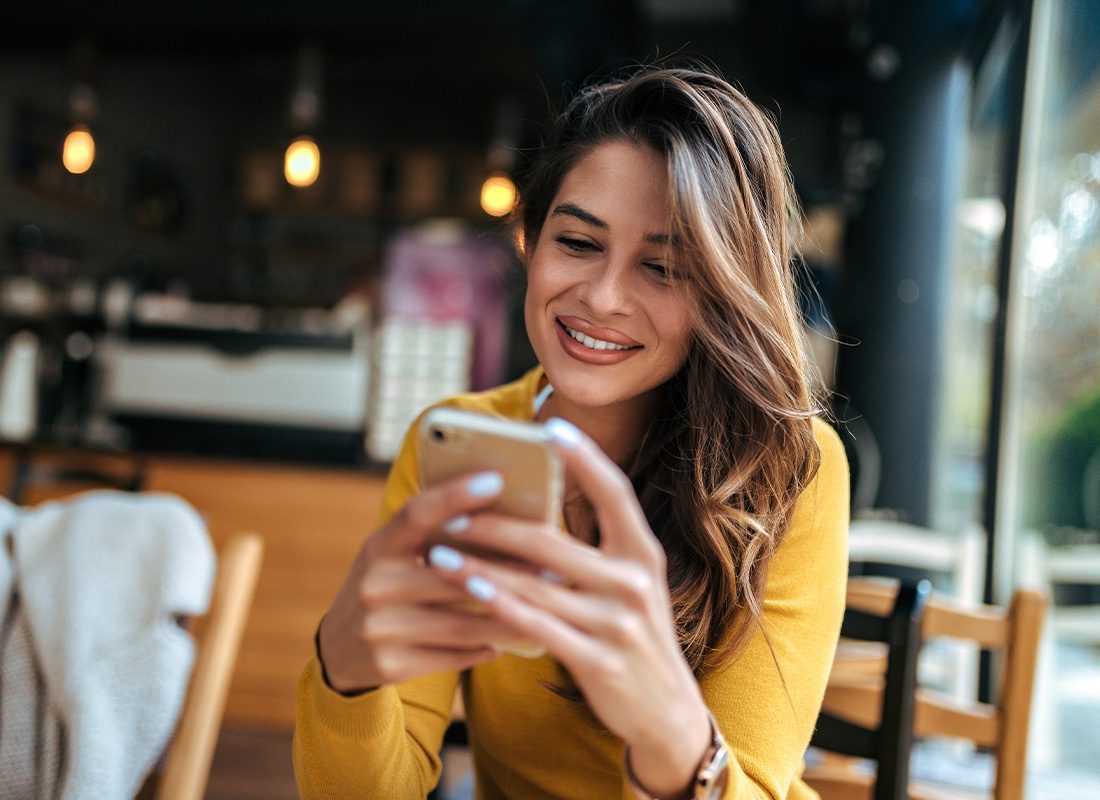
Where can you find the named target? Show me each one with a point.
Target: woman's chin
(584, 392)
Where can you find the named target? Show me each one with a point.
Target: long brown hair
(718, 474)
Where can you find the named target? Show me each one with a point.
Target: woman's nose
(608, 292)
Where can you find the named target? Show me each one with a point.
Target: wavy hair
(718, 473)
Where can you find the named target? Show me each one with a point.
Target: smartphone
(453, 442)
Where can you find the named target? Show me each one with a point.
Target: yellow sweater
(529, 744)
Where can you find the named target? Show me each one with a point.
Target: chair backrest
(883, 732)
(1012, 631)
(959, 554)
(930, 553)
(187, 766)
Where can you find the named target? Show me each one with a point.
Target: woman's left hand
(609, 620)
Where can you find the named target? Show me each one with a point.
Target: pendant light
(498, 190)
(78, 148)
(302, 161)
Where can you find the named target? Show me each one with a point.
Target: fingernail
(563, 432)
(485, 484)
(480, 588)
(445, 558)
(456, 524)
(552, 577)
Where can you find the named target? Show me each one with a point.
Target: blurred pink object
(442, 272)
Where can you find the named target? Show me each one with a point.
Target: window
(1049, 481)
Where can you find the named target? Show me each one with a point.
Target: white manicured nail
(563, 432)
(456, 524)
(552, 577)
(446, 559)
(480, 588)
(485, 484)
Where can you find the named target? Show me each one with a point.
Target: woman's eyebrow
(573, 210)
(569, 209)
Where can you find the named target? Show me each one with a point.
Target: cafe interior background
(186, 295)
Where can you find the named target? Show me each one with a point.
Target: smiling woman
(690, 617)
(603, 316)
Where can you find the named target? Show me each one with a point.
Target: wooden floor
(252, 764)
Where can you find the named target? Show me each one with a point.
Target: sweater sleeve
(384, 743)
(767, 700)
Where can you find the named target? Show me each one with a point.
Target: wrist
(665, 767)
(343, 691)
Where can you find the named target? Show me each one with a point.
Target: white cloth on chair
(90, 592)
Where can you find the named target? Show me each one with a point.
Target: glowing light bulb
(498, 195)
(78, 152)
(302, 164)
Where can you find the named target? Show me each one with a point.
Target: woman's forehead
(616, 182)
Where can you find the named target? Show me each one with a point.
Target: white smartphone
(453, 442)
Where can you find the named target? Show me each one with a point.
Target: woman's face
(606, 312)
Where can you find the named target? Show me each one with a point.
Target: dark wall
(159, 118)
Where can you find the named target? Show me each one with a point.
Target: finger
(431, 508)
(403, 663)
(435, 628)
(617, 611)
(623, 526)
(393, 581)
(548, 550)
(572, 647)
(598, 615)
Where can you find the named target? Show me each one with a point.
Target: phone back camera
(438, 435)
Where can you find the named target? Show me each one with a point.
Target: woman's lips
(609, 335)
(588, 355)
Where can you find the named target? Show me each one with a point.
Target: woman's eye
(576, 245)
(660, 271)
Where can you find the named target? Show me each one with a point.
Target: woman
(690, 635)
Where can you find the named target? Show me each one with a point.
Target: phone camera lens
(438, 435)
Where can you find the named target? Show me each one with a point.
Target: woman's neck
(618, 429)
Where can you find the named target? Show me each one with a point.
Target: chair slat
(938, 715)
(836, 782)
(926, 791)
(856, 701)
(860, 658)
(985, 625)
(872, 595)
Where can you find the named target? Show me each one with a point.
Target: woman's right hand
(393, 618)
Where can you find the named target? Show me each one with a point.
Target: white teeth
(594, 344)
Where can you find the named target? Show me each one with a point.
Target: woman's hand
(389, 621)
(609, 620)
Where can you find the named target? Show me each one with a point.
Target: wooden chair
(1066, 565)
(885, 736)
(855, 691)
(187, 763)
(958, 558)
